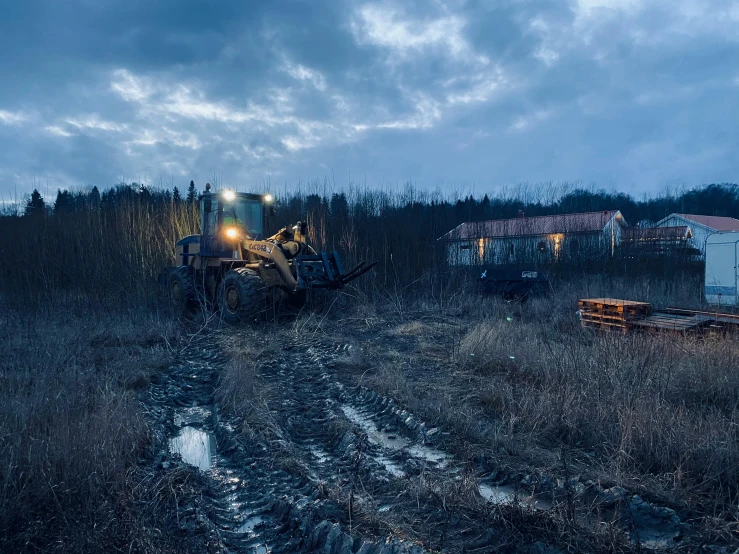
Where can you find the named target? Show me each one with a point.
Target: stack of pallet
(611, 313)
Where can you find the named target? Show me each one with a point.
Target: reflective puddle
(394, 442)
(196, 447)
(498, 494)
(507, 494)
(390, 466)
(250, 524)
(318, 454)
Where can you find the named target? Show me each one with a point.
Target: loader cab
(227, 217)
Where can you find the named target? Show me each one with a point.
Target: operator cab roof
(237, 195)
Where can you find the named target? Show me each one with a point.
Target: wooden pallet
(722, 319)
(614, 306)
(668, 322)
(611, 313)
(624, 315)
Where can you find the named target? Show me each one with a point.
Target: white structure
(532, 240)
(722, 273)
(701, 226)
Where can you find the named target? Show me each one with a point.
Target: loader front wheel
(241, 296)
(181, 291)
(296, 301)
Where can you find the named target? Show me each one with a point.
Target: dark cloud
(629, 93)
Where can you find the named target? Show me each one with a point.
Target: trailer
(513, 284)
(722, 274)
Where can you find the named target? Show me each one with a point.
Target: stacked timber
(611, 313)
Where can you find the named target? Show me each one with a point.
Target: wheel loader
(232, 266)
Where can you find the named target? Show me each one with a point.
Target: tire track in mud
(248, 502)
(402, 456)
(231, 510)
(382, 455)
(362, 474)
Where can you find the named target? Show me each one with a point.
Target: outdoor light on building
(268, 198)
(228, 195)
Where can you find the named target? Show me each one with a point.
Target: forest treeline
(113, 243)
(538, 199)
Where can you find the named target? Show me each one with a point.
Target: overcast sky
(630, 94)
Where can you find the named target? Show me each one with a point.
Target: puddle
(318, 454)
(655, 538)
(430, 454)
(506, 494)
(655, 527)
(498, 494)
(249, 525)
(390, 466)
(196, 447)
(394, 442)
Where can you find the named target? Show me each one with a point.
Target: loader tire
(242, 296)
(181, 291)
(296, 301)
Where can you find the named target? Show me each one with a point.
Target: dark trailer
(512, 284)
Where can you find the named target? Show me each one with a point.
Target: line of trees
(117, 240)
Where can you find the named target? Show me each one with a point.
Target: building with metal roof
(700, 226)
(535, 240)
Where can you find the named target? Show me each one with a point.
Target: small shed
(534, 240)
(700, 226)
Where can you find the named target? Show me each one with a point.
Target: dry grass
(240, 391)
(658, 405)
(653, 411)
(73, 429)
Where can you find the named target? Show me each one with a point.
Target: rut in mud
(341, 468)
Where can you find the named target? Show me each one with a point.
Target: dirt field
(476, 428)
(439, 432)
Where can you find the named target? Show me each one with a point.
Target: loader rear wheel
(181, 291)
(241, 296)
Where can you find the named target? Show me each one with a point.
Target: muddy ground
(300, 437)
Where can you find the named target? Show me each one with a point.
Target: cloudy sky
(630, 94)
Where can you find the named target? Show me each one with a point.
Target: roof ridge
(704, 215)
(540, 216)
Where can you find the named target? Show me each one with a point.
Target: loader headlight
(268, 198)
(232, 233)
(228, 195)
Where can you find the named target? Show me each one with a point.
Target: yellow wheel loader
(232, 266)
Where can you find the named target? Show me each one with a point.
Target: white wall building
(700, 226)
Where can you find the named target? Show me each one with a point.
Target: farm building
(700, 226)
(535, 240)
(649, 242)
